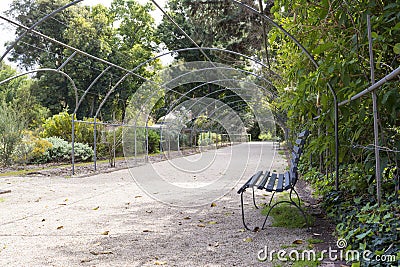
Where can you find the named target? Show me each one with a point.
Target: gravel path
(110, 220)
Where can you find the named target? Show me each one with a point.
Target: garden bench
(277, 182)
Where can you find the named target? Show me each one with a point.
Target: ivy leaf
(363, 235)
(396, 48)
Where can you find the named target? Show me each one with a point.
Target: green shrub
(11, 132)
(31, 149)
(60, 125)
(82, 152)
(208, 138)
(60, 151)
(154, 141)
(265, 136)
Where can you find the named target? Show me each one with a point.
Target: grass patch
(315, 241)
(286, 215)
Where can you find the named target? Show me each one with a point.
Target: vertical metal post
(147, 143)
(113, 163)
(73, 143)
(135, 145)
(375, 111)
(95, 144)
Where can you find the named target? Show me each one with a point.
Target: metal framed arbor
(110, 65)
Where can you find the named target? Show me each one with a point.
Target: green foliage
(154, 141)
(360, 220)
(335, 34)
(60, 125)
(11, 132)
(127, 43)
(61, 150)
(31, 149)
(19, 93)
(265, 136)
(208, 138)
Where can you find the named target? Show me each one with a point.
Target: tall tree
(122, 34)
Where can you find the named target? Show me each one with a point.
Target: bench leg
(254, 199)
(243, 220)
(291, 202)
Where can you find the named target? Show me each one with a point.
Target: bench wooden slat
(251, 182)
(255, 178)
(297, 150)
(287, 181)
(264, 180)
(295, 158)
(271, 183)
(300, 142)
(279, 187)
(303, 134)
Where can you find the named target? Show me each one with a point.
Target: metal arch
(185, 95)
(211, 49)
(228, 68)
(311, 58)
(223, 105)
(207, 95)
(246, 104)
(36, 24)
(241, 96)
(124, 77)
(90, 87)
(44, 70)
(154, 58)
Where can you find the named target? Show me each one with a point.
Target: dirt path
(108, 220)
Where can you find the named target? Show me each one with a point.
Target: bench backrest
(296, 154)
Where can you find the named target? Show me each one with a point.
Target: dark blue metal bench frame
(274, 182)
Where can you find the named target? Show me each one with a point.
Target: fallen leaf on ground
(249, 239)
(60, 227)
(137, 196)
(65, 200)
(160, 262)
(201, 225)
(96, 208)
(105, 232)
(212, 222)
(147, 231)
(187, 218)
(256, 229)
(101, 252)
(298, 241)
(213, 204)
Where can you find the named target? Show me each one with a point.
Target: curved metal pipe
(36, 24)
